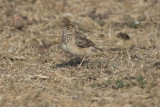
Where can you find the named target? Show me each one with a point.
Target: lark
(75, 43)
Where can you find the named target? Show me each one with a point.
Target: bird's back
(82, 41)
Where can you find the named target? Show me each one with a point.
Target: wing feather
(82, 41)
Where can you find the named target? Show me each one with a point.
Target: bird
(76, 43)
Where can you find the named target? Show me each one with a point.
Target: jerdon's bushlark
(76, 43)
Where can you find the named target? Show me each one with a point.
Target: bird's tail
(99, 49)
(102, 50)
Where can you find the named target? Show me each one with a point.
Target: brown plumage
(75, 43)
(82, 41)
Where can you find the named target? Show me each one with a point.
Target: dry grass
(35, 72)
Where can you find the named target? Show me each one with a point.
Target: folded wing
(82, 41)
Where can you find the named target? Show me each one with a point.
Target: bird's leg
(81, 62)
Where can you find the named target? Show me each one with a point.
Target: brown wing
(82, 41)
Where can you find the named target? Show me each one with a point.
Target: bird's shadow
(74, 62)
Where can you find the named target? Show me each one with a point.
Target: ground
(35, 72)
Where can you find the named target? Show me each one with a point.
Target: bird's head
(69, 29)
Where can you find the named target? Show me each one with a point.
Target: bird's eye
(68, 27)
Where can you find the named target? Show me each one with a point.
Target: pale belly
(75, 50)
